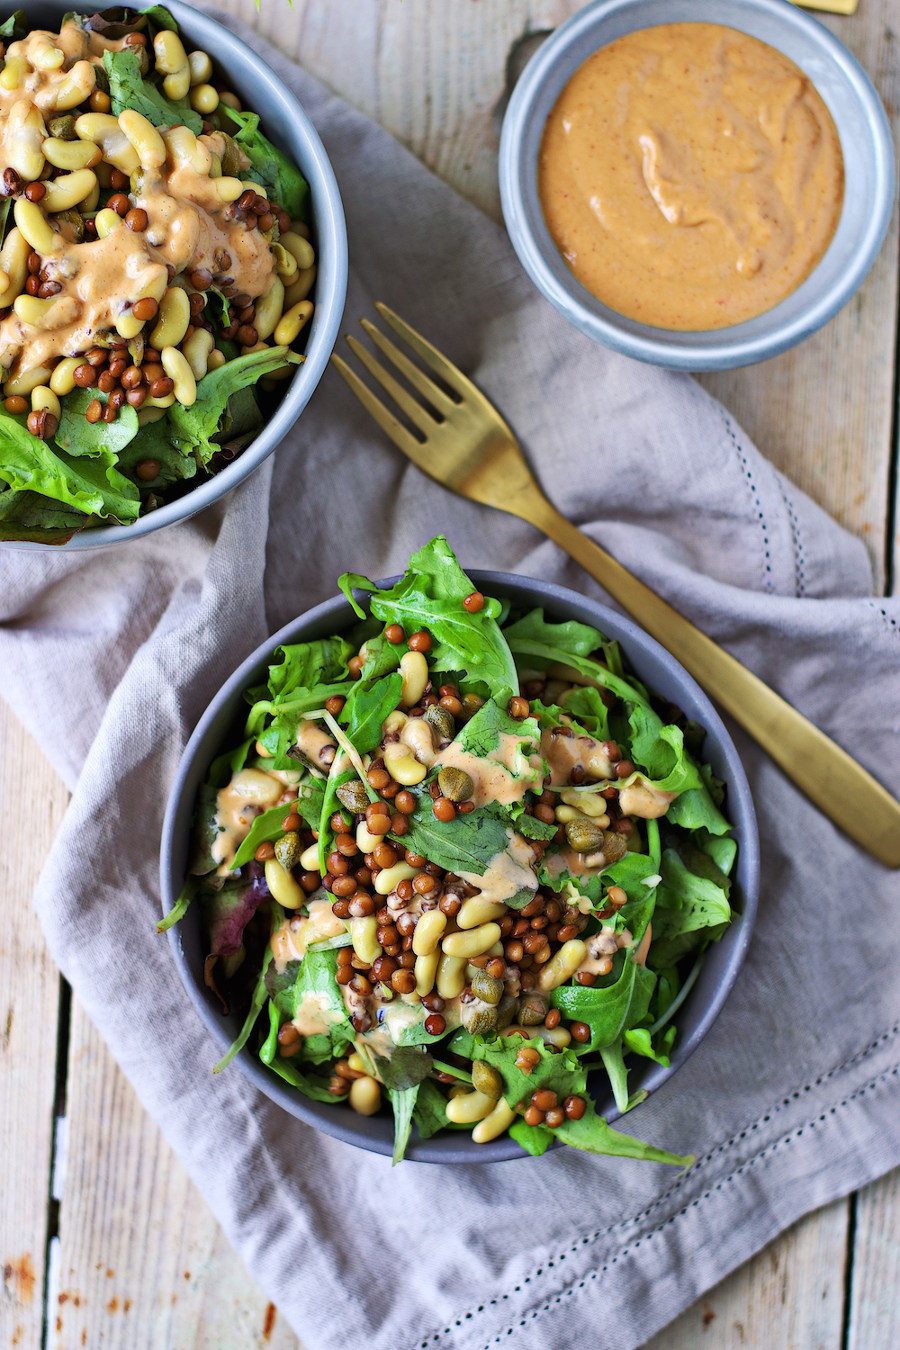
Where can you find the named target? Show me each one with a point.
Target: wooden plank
(874, 1313)
(791, 1295)
(32, 799)
(141, 1259)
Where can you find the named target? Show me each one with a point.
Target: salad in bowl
(459, 865)
(156, 270)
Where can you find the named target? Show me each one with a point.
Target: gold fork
(467, 446)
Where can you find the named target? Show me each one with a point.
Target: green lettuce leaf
(193, 429)
(430, 595)
(93, 486)
(257, 1003)
(366, 708)
(593, 1134)
(403, 1104)
(312, 982)
(692, 905)
(283, 181)
(77, 436)
(430, 1110)
(608, 1009)
(129, 89)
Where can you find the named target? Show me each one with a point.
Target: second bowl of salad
(460, 867)
(173, 266)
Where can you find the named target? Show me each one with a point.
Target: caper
(470, 705)
(353, 795)
(614, 846)
(487, 988)
(486, 1079)
(506, 1010)
(62, 128)
(584, 836)
(75, 222)
(231, 157)
(478, 1018)
(441, 722)
(455, 784)
(532, 1009)
(288, 849)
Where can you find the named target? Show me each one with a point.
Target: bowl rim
(559, 600)
(331, 289)
(722, 348)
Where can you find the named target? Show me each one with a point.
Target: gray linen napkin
(110, 658)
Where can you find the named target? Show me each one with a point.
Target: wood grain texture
(34, 799)
(142, 1262)
(791, 1295)
(874, 1314)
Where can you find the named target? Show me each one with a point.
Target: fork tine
(417, 378)
(403, 439)
(402, 397)
(430, 355)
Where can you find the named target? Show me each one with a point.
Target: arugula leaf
(659, 750)
(92, 486)
(695, 810)
(264, 829)
(572, 637)
(593, 1134)
(614, 1064)
(77, 436)
(180, 907)
(193, 428)
(639, 1042)
(306, 664)
(381, 657)
(403, 1104)
(430, 1110)
(312, 983)
(271, 168)
(536, 641)
(534, 1139)
(430, 595)
(607, 1009)
(407, 1066)
(366, 708)
(28, 515)
(562, 1072)
(154, 442)
(466, 844)
(129, 89)
(16, 26)
(588, 707)
(481, 734)
(256, 1007)
(313, 1086)
(691, 903)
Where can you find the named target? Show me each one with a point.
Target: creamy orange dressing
(291, 940)
(565, 752)
(314, 1016)
(504, 775)
(315, 744)
(638, 798)
(507, 872)
(691, 176)
(97, 279)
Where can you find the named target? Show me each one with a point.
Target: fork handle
(837, 783)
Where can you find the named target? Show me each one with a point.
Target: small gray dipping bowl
(869, 187)
(221, 726)
(285, 123)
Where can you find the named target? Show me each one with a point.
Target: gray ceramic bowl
(868, 164)
(285, 122)
(220, 726)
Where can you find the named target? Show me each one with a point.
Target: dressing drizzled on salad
(460, 860)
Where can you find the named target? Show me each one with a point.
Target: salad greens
(92, 444)
(444, 868)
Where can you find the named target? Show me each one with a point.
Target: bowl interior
(288, 126)
(868, 165)
(220, 726)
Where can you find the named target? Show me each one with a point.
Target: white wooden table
(103, 1240)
